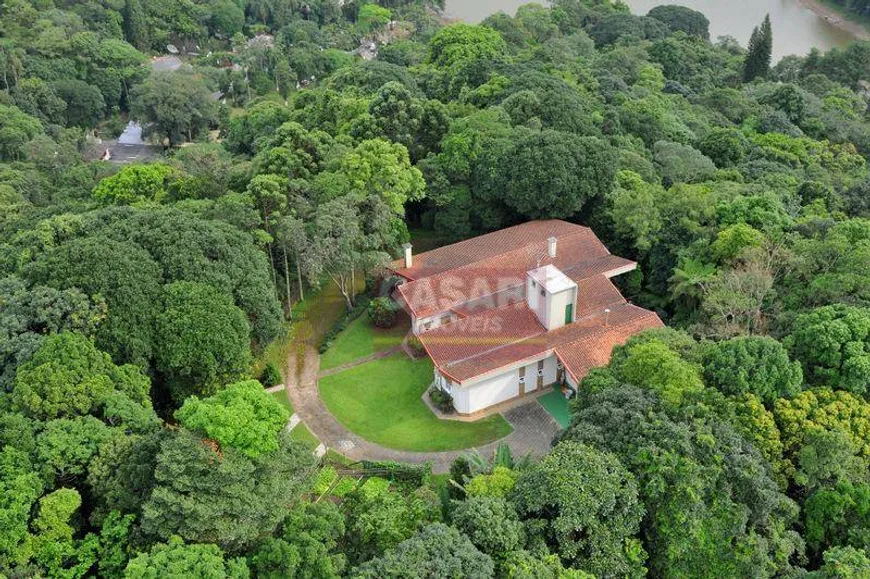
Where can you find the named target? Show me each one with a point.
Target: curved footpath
(533, 427)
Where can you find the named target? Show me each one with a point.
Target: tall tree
(584, 505)
(175, 106)
(435, 551)
(135, 25)
(175, 559)
(206, 493)
(338, 247)
(290, 233)
(757, 63)
(243, 416)
(202, 339)
(68, 376)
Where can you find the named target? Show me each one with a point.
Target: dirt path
(359, 362)
(835, 18)
(533, 427)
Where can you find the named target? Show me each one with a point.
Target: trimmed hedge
(418, 474)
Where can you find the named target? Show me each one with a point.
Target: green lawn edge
(361, 339)
(381, 401)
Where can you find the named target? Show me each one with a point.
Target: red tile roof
(580, 356)
(595, 294)
(486, 246)
(482, 334)
(509, 335)
(483, 281)
(451, 281)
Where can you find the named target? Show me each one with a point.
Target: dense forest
(860, 7)
(300, 142)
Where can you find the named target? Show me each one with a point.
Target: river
(796, 29)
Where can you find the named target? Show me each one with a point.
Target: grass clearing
(312, 317)
(276, 351)
(282, 399)
(361, 339)
(301, 434)
(381, 401)
(336, 458)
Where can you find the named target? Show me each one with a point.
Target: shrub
(271, 375)
(414, 474)
(442, 400)
(382, 312)
(416, 346)
(344, 487)
(324, 480)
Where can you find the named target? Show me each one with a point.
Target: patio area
(556, 405)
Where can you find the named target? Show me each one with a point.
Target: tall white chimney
(409, 255)
(551, 247)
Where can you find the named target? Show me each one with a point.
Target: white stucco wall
(558, 303)
(486, 393)
(570, 381)
(492, 390)
(550, 370)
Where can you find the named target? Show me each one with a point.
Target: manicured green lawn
(361, 339)
(381, 401)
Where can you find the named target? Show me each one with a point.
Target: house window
(543, 293)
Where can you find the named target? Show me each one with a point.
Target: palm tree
(687, 283)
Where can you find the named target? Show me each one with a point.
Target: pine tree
(758, 59)
(135, 25)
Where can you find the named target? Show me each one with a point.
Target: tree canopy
(290, 150)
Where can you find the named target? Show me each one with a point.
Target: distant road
(129, 147)
(834, 18)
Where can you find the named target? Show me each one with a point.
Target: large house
(512, 312)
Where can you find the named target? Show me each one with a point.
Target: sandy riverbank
(856, 29)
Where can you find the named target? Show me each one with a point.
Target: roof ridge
(499, 347)
(523, 339)
(583, 229)
(608, 328)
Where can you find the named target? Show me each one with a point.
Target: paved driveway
(533, 426)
